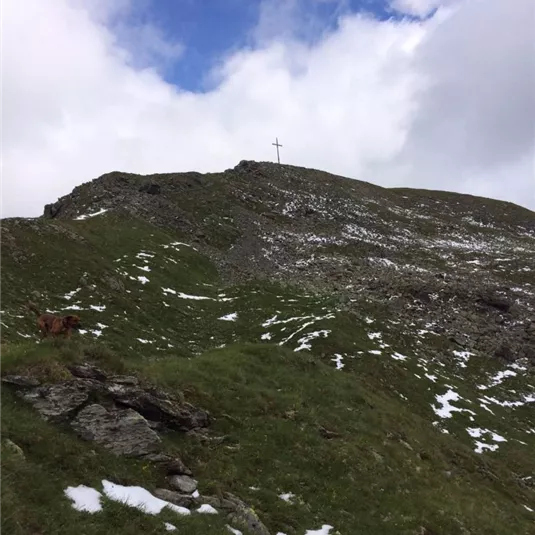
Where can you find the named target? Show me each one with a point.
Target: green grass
(390, 471)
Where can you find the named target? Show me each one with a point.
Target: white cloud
(441, 104)
(474, 128)
(418, 8)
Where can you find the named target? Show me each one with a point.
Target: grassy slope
(390, 471)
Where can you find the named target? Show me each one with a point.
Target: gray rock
(171, 465)
(184, 500)
(20, 380)
(154, 406)
(203, 435)
(150, 188)
(52, 210)
(87, 371)
(124, 380)
(222, 504)
(123, 431)
(492, 299)
(60, 401)
(505, 352)
(183, 483)
(237, 511)
(243, 515)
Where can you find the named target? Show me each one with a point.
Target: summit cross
(277, 144)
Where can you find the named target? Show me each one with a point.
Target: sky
(435, 94)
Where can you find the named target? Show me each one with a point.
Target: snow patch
(498, 379)
(287, 497)
(447, 409)
(84, 498)
(207, 509)
(229, 317)
(304, 343)
(338, 360)
(464, 356)
(70, 295)
(324, 530)
(100, 212)
(139, 498)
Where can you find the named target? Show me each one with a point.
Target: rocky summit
(269, 350)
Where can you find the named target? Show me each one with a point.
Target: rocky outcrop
(126, 417)
(150, 188)
(52, 210)
(115, 411)
(122, 431)
(156, 406)
(20, 380)
(59, 402)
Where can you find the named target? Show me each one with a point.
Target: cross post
(277, 144)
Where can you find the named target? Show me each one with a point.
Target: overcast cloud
(447, 103)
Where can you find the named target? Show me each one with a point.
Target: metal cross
(277, 144)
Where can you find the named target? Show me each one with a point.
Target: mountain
(339, 357)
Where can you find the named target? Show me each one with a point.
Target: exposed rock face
(151, 189)
(60, 401)
(52, 210)
(20, 380)
(114, 411)
(122, 431)
(156, 407)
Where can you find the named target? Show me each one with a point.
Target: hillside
(330, 352)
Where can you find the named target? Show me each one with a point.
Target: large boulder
(122, 431)
(183, 483)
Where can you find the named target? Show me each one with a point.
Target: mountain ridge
(366, 355)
